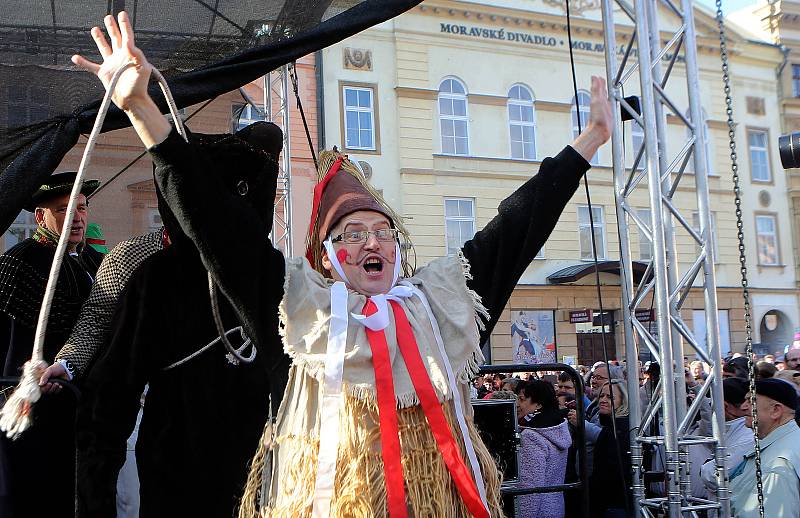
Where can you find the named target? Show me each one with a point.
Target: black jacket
(202, 419)
(24, 269)
(610, 483)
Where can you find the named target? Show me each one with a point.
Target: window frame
(776, 231)
(458, 219)
(634, 148)
(464, 118)
(644, 214)
(242, 121)
(767, 152)
(707, 130)
(574, 118)
(602, 255)
(796, 80)
(375, 112)
(714, 233)
(28, 227)
(522, 124)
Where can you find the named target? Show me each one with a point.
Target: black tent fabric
(203, 47)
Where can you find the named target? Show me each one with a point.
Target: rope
(233, 352)
(293, 76)
(723, 46)
(620, 464)
(16, 414)
(212, 343)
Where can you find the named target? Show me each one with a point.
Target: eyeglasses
(360, 236)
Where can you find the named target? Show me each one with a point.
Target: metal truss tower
(276, 109)
(658, 171)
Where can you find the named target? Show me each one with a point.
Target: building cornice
(510, 18)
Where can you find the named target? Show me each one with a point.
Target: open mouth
(373, 265)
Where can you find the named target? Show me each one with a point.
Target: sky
(728, 6)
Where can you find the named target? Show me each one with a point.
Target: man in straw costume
(375, 419)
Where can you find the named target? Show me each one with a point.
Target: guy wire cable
(596, 263)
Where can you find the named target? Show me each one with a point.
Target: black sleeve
(229, 234)
(111, 399)
(500, 253)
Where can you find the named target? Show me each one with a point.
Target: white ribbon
(334, 369)
(331, 403)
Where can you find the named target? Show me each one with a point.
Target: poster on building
(533, 336)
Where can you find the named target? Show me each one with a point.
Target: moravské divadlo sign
(535, 40)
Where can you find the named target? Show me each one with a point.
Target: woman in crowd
(610, 482)
(545, 439)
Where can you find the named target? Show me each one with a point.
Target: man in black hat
(776, 402)
(24, 270)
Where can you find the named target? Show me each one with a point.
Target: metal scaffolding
(276, 109)
(659, 170)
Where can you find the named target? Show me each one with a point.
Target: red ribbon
(435, 415)
(318, 190)
(387, 417)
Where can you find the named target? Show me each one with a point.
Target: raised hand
(600, 118)
(132, 85)
(130, 93)
(598, 131)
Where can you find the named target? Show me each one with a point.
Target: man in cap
(776, 402)
(792, 359)
(375, 419)
(24, 270)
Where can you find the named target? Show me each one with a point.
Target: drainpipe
(318, 76)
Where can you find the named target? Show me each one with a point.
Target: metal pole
(659, 258)
(626, 264)
(710, 285)
(669, 230)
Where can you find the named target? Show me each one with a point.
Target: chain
(748, 325)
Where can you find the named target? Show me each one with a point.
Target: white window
(645, 245)
(583, 103)
(767, 240)
(759, 156)
(585, 232)
(699, 329)
(243, 115)
(453, 121)
(23, 227)
(521, 122)
(154, 221)
(706, 137)
(637, 141)
(715, 243)
(459, 220)
(359, 118)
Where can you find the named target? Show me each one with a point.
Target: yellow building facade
(453, 105)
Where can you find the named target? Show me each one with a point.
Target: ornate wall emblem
(575, 6)
(357, 59)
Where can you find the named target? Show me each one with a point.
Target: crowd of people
(547, 419)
